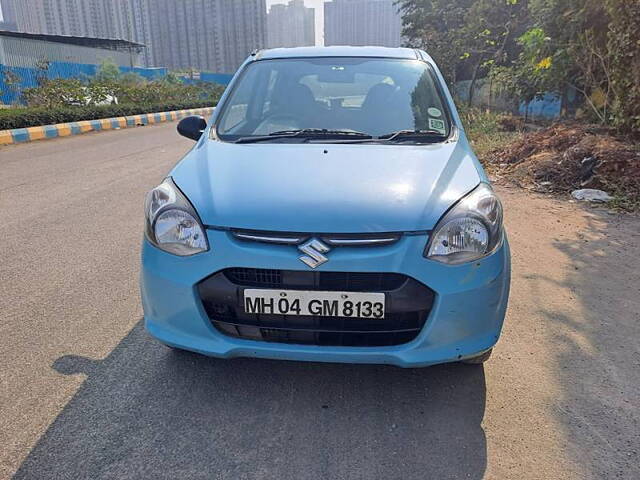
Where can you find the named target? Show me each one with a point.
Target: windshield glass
(371, 95)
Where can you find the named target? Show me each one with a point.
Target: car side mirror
(192, 127)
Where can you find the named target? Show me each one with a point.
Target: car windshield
(372, 96)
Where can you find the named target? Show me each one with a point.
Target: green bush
(61, 100)
(162, 91)
(56, 92)
(108, 71)
(31, 117)
(61, 92)
(624, 47)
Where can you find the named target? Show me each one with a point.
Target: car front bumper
(465, 319)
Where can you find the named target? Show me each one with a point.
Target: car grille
(334, 239)
(331, 281)
(408, 303)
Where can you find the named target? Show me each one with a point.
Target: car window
(350, 94)
(371, 95)
(236, 112)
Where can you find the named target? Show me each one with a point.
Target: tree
(42, 70)
(172, 78)
(538, 69)
(576, 30)
(437, 27)
(12, 80)
(490, 29)
(108, 71)
(590, 46)
(465, 37)
(624, 48)
(534, 47)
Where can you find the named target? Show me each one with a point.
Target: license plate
(326, 304)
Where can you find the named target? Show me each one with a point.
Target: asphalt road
(87, 394)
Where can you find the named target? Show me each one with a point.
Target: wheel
(483, 357)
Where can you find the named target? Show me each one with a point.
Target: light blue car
(331, 210)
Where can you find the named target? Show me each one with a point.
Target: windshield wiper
(411, 134)
(348, 135)
(321, 131)
(305, 133)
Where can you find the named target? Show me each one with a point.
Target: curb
(23, 135)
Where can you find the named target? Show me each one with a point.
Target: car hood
(328, 188)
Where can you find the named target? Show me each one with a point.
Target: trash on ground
(591, 195)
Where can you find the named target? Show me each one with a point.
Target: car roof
(337, 51)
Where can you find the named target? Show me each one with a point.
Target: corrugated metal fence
(28, 52)
(20, 59)
(14, 79)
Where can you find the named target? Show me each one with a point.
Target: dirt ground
(569, 357)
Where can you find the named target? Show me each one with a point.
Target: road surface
(87, 394)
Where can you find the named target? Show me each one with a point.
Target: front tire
(478, 360)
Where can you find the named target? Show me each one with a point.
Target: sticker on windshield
(434, 112)
(437, 125)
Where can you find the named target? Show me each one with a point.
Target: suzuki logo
(314, 250)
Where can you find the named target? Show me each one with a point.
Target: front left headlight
(471, 230)
(171, 222)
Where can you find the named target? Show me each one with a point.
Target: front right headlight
(471, 230)
(171, 222)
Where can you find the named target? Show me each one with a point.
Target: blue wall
(221, 78)
(547, 106)
(28, 76)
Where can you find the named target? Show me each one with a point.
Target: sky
(317, 4)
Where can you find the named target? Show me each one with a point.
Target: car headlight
(172, 223)
(472, 229)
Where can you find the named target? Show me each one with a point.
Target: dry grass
(566, 157)
(557, 159)
(489, 131)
